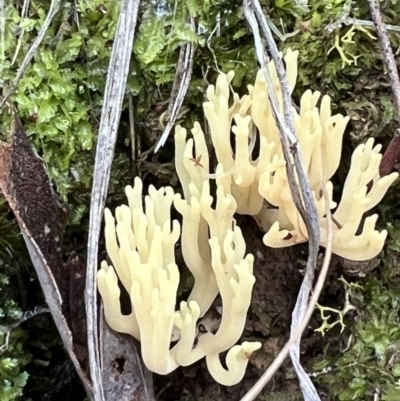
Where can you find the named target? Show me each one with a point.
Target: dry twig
(392, 153)
(347, 20)
(386, 52)
(132, 129)
(6, 330)
(110, 117)
(24, 12)
(2, 30)
(179, 87)
(298, 182)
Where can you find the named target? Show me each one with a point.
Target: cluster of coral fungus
(141, 242)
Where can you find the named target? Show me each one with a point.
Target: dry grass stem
(179, 88)
(110, 117)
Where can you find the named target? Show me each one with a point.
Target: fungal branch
(141, 242)
(260, 185)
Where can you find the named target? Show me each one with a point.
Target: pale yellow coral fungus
(260, 184)
(141, 245)
(250, 178)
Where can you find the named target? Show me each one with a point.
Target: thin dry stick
(110, 116)
(180, 86)
(392, 152)
(2, 31)
(6, 330)
(24, 13)
(278, 361)
(307, 209)
(387, 52)
(54, 8)
(347, 20)
(132, 129)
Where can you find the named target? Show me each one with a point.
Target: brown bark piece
(27, 189)
(26, 186)
(391, 156)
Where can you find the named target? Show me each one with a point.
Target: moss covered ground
(59, 100)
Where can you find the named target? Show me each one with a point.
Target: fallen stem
(6, 330)
(387, 52)
(110, 116)
(392, 153)
(180, 87)
(358, 22)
